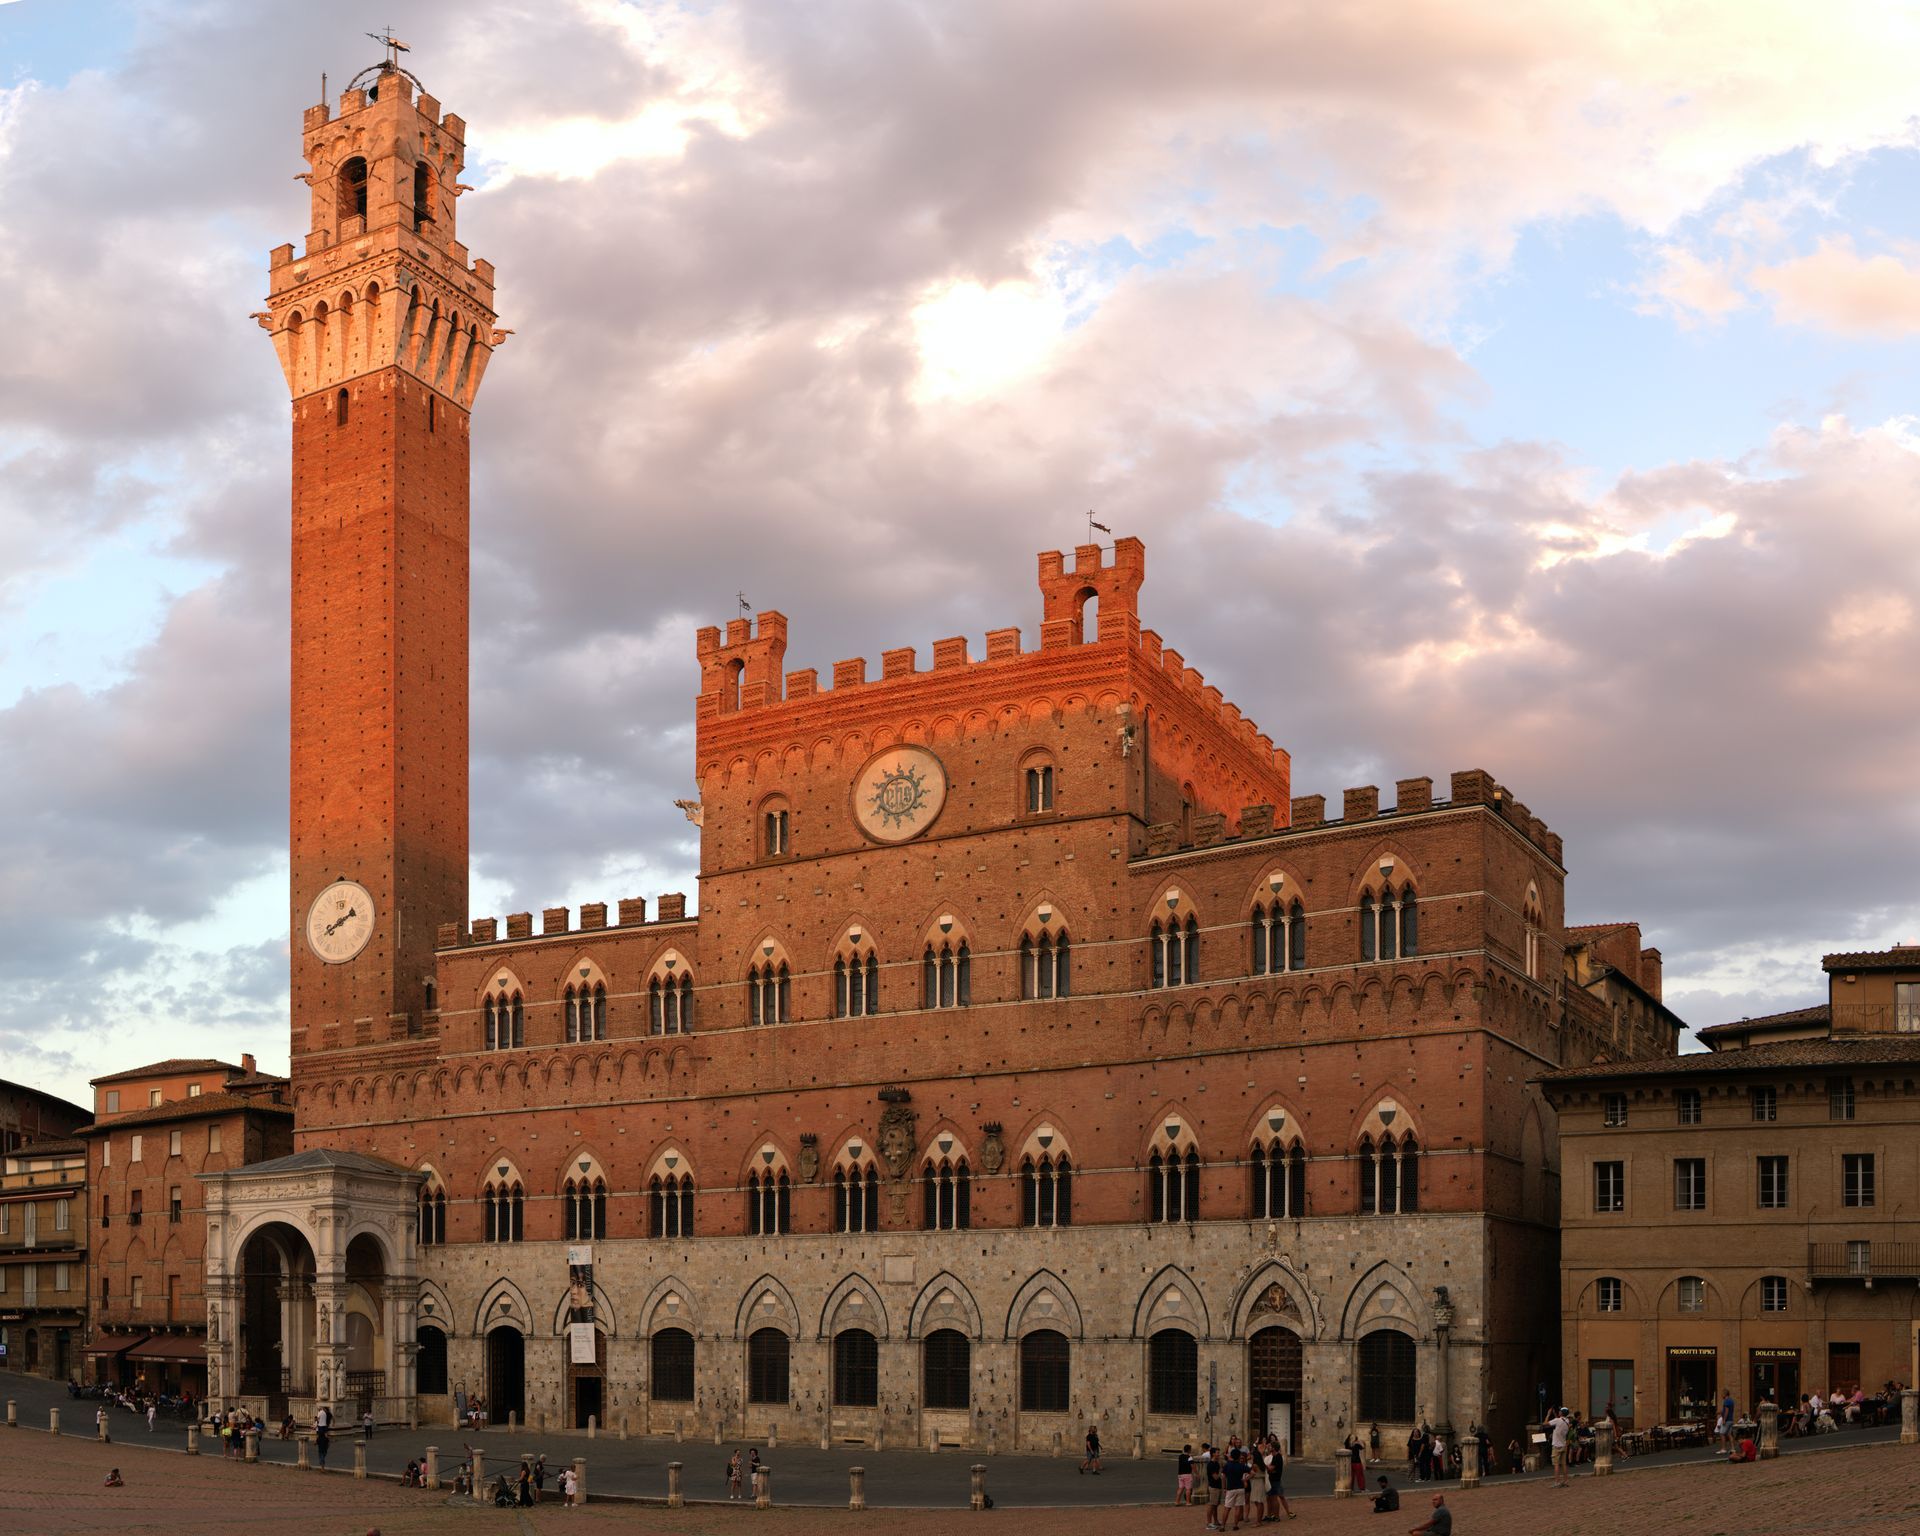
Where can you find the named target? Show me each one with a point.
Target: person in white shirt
(1561, 1426)
(567, 1488)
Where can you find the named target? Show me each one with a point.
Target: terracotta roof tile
(1816, 1014)
(187, 1109)
(170, 1066)
(1889, 1050)
(1901, 957)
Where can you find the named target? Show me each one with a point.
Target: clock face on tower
(899, 792)
(340, 921)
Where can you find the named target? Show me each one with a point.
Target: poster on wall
(580, 1330)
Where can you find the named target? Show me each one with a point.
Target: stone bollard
(300, 1460)
(1139, 1447)
(13, 1415)
(977, 1497)
(430, 1475)
(253, 1444)
(772, 1442)
(1603, 1449)
(763, 1488)
(360, 1460)
(1769, 1431)
(623, 1426)
(479, 1477)
(1470, 1462)
(1530, 1460)
(413, 1414)
(933, 1437)
(53, 1420)
(880, 1437)
(1342, 1475)
(675, 1499)
(718, 1438)
(193, 1439)
(579, 1479)
(1910, 1417)
(1058, 1447)
(513, 1422)
(541, 1418)
(856, 1487)
(593, 1426)
(826, 1437)
(679, 1431)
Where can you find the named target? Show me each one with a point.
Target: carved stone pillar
(1442, 1363)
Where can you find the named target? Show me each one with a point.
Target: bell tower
(384, 329)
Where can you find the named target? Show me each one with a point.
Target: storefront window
(1610, 1385)
(1776, 1376)
(1691, 1373)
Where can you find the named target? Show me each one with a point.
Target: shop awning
(117, 1346)
(170, 1346)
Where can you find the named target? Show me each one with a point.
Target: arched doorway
(276, 1322)
(506, 1374)
(430, 1362)
(365, 1333)
(1273, 1385)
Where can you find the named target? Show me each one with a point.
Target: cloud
(852, 310)
(1694, 289)
(1835, 288)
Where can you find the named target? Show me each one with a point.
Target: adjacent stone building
(1035, 1058)
(1742, 1219)
(43, 1232)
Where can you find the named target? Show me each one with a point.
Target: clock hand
(351, 912)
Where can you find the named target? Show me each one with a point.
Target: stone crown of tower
(382, 281)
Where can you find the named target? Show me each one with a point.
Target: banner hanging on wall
(580, 1330)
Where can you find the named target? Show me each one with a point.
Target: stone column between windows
(1442, 1385)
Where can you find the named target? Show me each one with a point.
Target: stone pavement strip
(52, 1486)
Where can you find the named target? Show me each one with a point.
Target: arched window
(1039, 787)
(946, 975)
(670, 999)
(352, 185)
(856, 1193)
(1389, 1166)
(769, 1352)
(1279, 937)
(1173, 1183)
(1279, 1165)
(775, 827)
(1533, 923)
(1173, 1373)
(856, 982)
(1045, 966)
(340, 408)
(1046, 1360)
(770, 992)
(946, 1374)
(1389, 922)
(856, 1369)
(586, 1208)
(586, 1011)
(672, 1366)
(948, 1190)
(1176, 951)
(769, 1202)
(505, 1204)
(1386, 1377)
(505, 1016)
(422, 195)
(670, 1205)
(433, 1212)
(1046, 1190)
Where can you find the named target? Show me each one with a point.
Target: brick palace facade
(1035, 1058)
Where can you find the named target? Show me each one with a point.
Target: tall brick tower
(384, 330)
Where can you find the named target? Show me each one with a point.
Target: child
(114, 1480)
(567, 1488)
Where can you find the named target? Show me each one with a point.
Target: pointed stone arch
(945, 1302)
(1255, 1304)
(1382, 1296)
(1044, 1301)
(669, 1304)
(1171, 1300)
(767, 1303)
(488, 1314)
(843, 1311)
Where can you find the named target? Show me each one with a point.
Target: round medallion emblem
(898, 794)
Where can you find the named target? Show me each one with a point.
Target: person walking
(539, 1477)
(322, 1436)
(1561, 1426)
(153, 1412)
(100, 1423)
(1277, 1504)
(1183, 1476)
(1092, 1463)
(1233, 1483)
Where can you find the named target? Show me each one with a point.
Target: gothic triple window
(946, 974)
(856, 1193)
(433, 1212)
(1389, 1174)
(670, 1001)
(505, 1203)
(1045, 965)
(1173, 1177)
(1279, 937)
(503, 1017)
(1046, 1190)
(947, 1185)
(586, 1011)
(1389, 922)
(1176, 951)
(769, 991)
(856, 982)
(1279, 1165)
(769, 1197)
(670, 1202)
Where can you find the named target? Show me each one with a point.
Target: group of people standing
(741, 1469)
(1235, 1482)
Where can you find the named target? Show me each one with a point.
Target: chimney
(246, 1063)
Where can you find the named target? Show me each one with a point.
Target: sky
(1520, 388)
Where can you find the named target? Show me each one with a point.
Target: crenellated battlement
(741, 672)
(629, 913)
(1359, 806)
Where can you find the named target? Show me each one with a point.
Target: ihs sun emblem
(898, 796)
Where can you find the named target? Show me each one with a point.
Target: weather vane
(1091, 525)
(741, 599)
(392, 44)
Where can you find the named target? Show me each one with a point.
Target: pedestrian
(1233, 1485)
(366, 1425)
(1416, 1438)
(1256, 1483)
(733, 1476)
(1439, 1523)
(1092, 1463)
(153, 1412)
(1210, 1457)
(100, 1423)
(1561, 1426)
(523, 1490)
(1357, 1465)
(567, 1488)
(539, 1477)
(322, 1438)
(1183, 1476)
(1277, 1504)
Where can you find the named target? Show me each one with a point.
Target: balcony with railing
(1863, 1260)
(1874, 1019)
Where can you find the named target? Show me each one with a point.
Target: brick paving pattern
(54, 1487)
